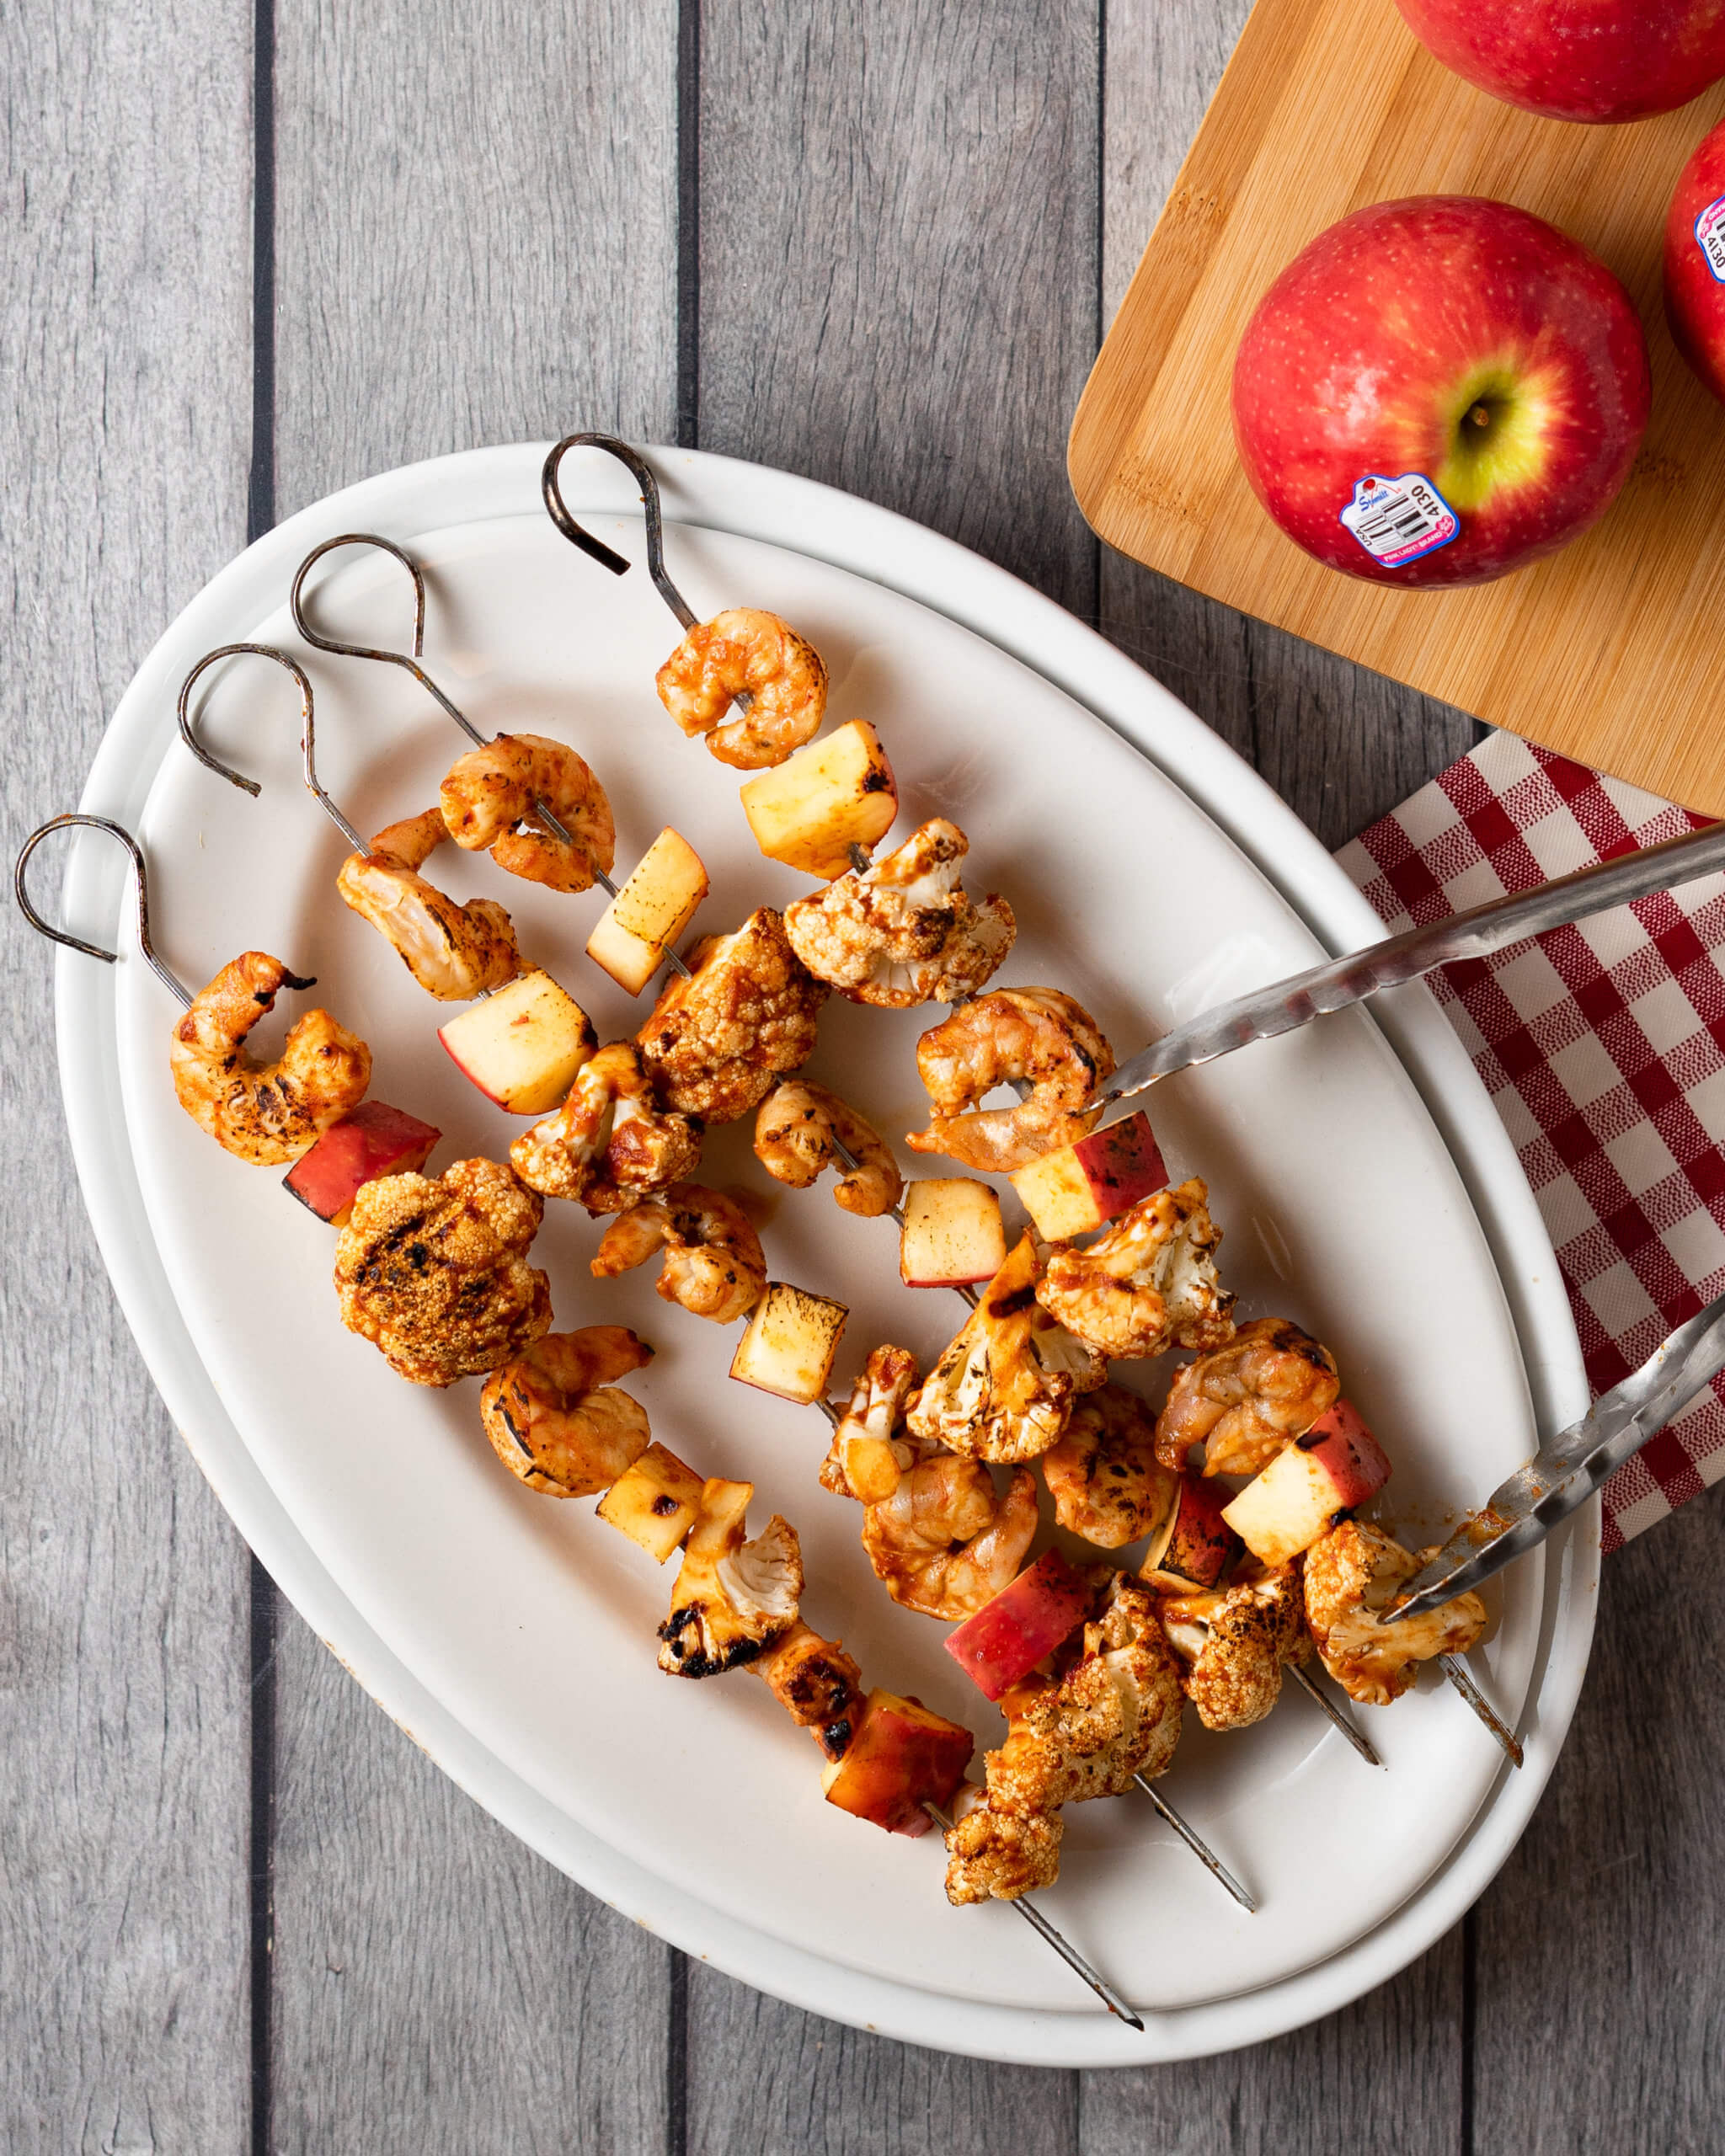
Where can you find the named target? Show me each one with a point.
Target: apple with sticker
(1439, 390)
(1588, 60)
(1695, 262)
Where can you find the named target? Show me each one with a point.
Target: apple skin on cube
(654, 1502)
(1196, 1544)
(901, 1756)
(1003, 1642)
(836, 793)
(373, 1139)
(523, 1046)
(792, 1339)
(1335, 1466)
(1092, 1181)
(953, 1235)
(650, 912)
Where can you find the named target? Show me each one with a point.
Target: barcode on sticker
(1709, 237)
(1398, 520)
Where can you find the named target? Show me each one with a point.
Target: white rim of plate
(722, 494)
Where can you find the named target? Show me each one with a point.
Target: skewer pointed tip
(1338, 1716)
(1501, 1732)
(1199, 1848)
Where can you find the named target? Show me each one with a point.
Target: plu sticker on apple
(1709, 237)
(1397, 521)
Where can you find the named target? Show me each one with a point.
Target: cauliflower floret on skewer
(733, 1597)
(718, 1038)
(611, 1142)
(904, 932)
(1244, 1401)
(1005, 1386)
(867, 1455)
(1148, 1282)
(996, 1852)
(1237, 1643)
(1352, 1573)
(434, 1271)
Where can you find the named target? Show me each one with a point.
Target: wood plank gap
(265, 1620)
(260, 486)
(1469, 2007)
(688, 388)
(676, 2056)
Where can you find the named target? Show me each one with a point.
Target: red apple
(1093, 1180)
(1595, 60)
(370, 1141)
(1439, 390)
(1006, 1639)
(901, 1756)
(1335, 1466)
(1195, 1545)
(1695, 262)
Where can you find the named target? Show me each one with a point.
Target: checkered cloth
(1603, 1049)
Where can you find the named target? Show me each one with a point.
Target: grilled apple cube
(792, 1339)
(1288, 1505)
(953, 1233)
(651, 911)
(1093, 1180)
(902, 1757)
(373, 1139)
(522, 1046)
(1003, 1642)
(654, 1502)
(1195, 1546)
(838, 793)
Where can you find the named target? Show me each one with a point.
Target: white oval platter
(514, 1635)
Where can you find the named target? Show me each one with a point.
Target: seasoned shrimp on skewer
(904, 931)
(265, 1112)
(1351, 1574)
(454, 952)
(794, 1132)
(744, 651)
(1245, 1401)
(488, 800)
(611, 1142)
(1103, 1472)
(718, 1038)
(944, 1543)
(555, 1418)
(713, 1263)
(1147, 1284)
(816, 1682)
(1034, 1033)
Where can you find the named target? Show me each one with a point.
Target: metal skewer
(171, 980)
(1068, 1953)
(1482, 1706)
(1349, 1728)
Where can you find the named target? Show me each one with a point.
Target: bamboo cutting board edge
(1602, 652)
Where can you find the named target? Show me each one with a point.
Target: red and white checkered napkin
(1603, 1049)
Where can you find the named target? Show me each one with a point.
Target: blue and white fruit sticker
(1709, 237)
(1397, 521)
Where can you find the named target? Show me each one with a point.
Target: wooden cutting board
(1610, 651)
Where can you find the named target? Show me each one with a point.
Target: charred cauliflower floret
(1148, 1282)
(611, 1141)
(732, 1596)
(1236, 1644)
(904, 932)
(867, 1455)
(1005, 1386)
(434, 1271)
(1351, 1574)
(996, 1852)
(718, 1039)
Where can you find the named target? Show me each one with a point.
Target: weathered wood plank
(1601, 1998)
(1340, 744)
(124, 339)
(475, 243)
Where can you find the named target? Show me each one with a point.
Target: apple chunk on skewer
(792, 1339)
(952, 1236)
(1336, 1465)
(999, 1646)
(650, 912)
(655, 1502)
(1093, 1181)
(836, 793)
(373, 1139)
(522, 1046)
(1194, 1544)
(902, 1757)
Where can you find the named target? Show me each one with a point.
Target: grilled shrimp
(488, 800)
(611, 1143)
(265, 1112)
(744, 651)
(796, 1131)
(1244, 1401)
(555, 1418)
(904, 931)
(944, 1543)
(1148, 1284)
(713, 1263)
(1034, 1033)
(454, 952)
(1102, 1473)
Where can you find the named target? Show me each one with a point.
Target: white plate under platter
(445, 1586)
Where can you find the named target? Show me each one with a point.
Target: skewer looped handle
(141, 876)
(307, 744)
(641, 473)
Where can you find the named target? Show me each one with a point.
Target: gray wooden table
(250, 256)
